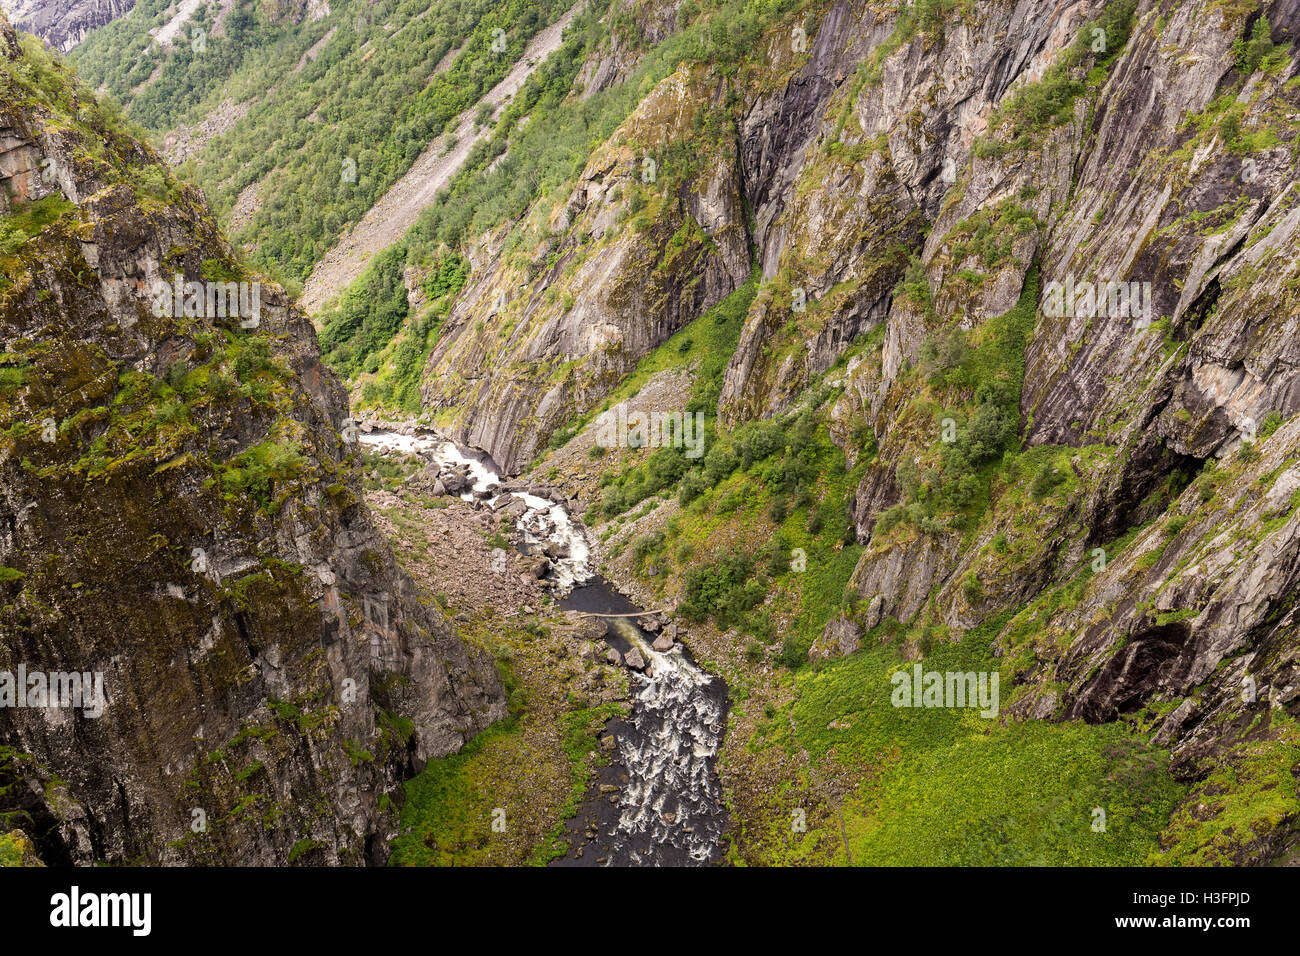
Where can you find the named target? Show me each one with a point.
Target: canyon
(874, 249)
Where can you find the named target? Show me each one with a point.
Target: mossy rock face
(1124, 546)
(17, 849)
(179, 514)
(651, 235)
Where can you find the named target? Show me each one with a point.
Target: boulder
(874, 614)
(512, 506)
(455, 480)
(840, 638)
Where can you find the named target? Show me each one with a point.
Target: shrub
(793, 654)
(257, 471)
(725, 590)
(253, 359)
(942, 359)
(719, 463)
(692, 487)
(561, 437)
(172, 411)
(176, 375)
(12, 378)
(1044, 481)
(1250, 53)
(1271, 423)
(814, 525)
(757, 441)
(778, 557)
(646, 547)
(914, 285)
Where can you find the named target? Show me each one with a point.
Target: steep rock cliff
(559, 309)
(64, 23)
(179, 512)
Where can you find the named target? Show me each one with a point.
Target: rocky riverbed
(657, 800)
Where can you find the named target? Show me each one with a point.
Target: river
(658, 801)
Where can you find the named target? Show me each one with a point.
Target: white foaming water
(669, 808)
(672, 794)
(441, 450)
(545, 525)
(546, 522)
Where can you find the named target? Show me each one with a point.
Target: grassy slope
(949, 787)
(929, 786)
(447, 819)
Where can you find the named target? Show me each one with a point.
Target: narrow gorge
(650, 433)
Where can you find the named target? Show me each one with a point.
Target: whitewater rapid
(671, 804)
(543, 522)
(670, 808)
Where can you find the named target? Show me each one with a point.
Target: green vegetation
(952, 788)
(726, 589)
(303, 847)
(104, 140)
(1036, 107)
(369, 314)
(383, 471)
(1269, 424)
(262, 472)
(11, 848)
(1252, 52)
(122, 56)
(29, 220)
(1245, 797)
(473, 807)
(14, 766)
(977, 438)
(990, 234)
(1226, 118)
(373, 87)
(580, 729)
(12, 377)
(398, 365)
